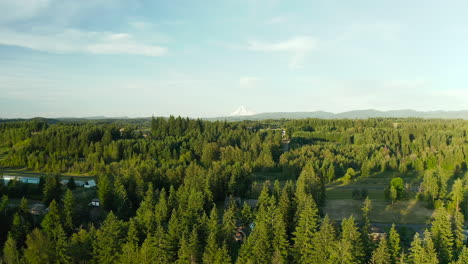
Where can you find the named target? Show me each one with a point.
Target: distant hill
(357, 114)
(244, 114)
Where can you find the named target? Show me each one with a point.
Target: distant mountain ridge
(356, 114)
(244, 114)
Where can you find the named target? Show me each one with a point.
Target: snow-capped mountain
(242, 111)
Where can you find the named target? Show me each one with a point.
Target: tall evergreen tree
(11, 254)
(109, 240)
(442, 233)
(130, 249)
(68, 208)
(394, 245)
(458, 231)
(350, 246)
(365, 229)
(39, 248)
(381, 254)
(211, 248)
(305, 230)
(324, 246)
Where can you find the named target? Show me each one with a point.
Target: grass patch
(402, 212)
(346, 193)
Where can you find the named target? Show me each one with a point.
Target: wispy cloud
(78, 41)
(299, 47)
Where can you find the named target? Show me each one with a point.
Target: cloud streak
(299, 47)
(78, 41)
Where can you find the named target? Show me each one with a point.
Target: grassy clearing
(402, 212)
(29, 173)
(345, 194)
(340, 203)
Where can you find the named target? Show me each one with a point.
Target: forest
(180, 190)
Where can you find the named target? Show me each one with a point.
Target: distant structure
(95, 202)
(377, 233)
(77, 183)
(38, 209)
(241, 234)
(90, 184)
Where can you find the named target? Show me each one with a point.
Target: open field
(28, 173)
(340, 203)
(402, 212)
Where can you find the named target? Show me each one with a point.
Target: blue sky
(205, 58)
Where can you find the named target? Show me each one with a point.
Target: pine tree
(121, 201)
(52, 225)
(442, 232)
(81, 247)
(458, 231)
(430, 255)
(350, 246)
(365, 230)
(394, 245)
(381, 254)
(247, 215)
(324, 243)
(104, 189)
(222, 255)
(211, 248)
(145, 213)
(130, 249)
(69, 206)
(109, 240)
(305, 230)
(39, 248)
(457, 193)
(417, 252)
(174, 232)
(156, 249)
(463, 256)
(19, 228)
(280, 240)
(11, 254)
(162, 208)
(52, 189)
(262, 250)
(309, 183)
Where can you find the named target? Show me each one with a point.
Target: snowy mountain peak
(242, 111)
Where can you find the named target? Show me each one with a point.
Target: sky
(199, 58)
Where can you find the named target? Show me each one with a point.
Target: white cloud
(299, 47)
(249, 81)
(21, 9)
(77, 41)
(297, 44)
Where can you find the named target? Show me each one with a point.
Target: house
(77, 183)
(241, 234)
(376, 233)
(95, 202)
(38, 209)
(90, 184)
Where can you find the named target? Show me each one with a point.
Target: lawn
(340, 203)
(402, 212)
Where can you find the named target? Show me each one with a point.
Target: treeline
(181, 226)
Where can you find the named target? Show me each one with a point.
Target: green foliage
(109, 240)
(11, 254)
(52, 189)
(381, 254)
